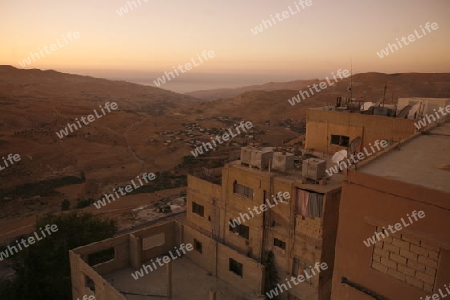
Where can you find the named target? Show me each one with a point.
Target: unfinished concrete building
(231, 253)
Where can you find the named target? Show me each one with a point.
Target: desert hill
(215, 94)
(153, 130)
(269, 104)
(401, 85)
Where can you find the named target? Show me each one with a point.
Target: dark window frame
(236, 267)
(198, 209)
(279, 243)
(198, 246)
(89, 283)
(340, 140)
(243, 190)
(242, 230)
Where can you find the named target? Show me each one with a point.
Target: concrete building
(297, 240)
(415, 107)
(231, 238)
(331, 128)
(231, 253)
(407, 187)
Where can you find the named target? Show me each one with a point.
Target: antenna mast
(351, 80)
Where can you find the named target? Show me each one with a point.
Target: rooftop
(295, 173)
(189, 281)
(423, 160)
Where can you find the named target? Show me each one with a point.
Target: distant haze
(189, 81)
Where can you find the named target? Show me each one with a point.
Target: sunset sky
(158, 34)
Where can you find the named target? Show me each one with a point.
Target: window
(240, 230)
(197, 246)
(279, 243)
(340, 140)
(89, 283)
(198, 209)
(309, 204)
(242, 190)
(235, 267)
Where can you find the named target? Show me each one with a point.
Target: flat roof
(421, 161)
(189, 281)
(295, 175)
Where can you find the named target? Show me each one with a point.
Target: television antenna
(354, 145)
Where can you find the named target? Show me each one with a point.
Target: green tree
(271, 274)
(43, 269)
(65, 205)
(83, 176)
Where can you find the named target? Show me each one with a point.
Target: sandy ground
(121, 210)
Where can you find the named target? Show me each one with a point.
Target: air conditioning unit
(246, 155)
(314, 168)
(261, 159)
(283, 161)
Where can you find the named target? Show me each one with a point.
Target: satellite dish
(354, 145)
(413, 111)
(339, 156)
(367, 105)
(404, 112)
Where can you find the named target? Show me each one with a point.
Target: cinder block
(381, 252)
(430, 247)
(416, 266)
(401, 244)
(391, 248)
(388, 240)
(430, 271)
(397, 258)
(409, 255)
(379, 267)
(411, 239)
(425, 277)
(419, 250)
(414, 282)
(389, 263)
(396, 274)
(376, 258)
(433, 255)
(427, 262)
(406, 270)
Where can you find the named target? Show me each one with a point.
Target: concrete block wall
(252, 279)
(206, 259)
(310, 227)
(121, 254)
(169, 230)
(202, 192)
(80, 271)
(235, 204)
(280, 225)
(320, 124)
(363, 206)
(407, 259)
